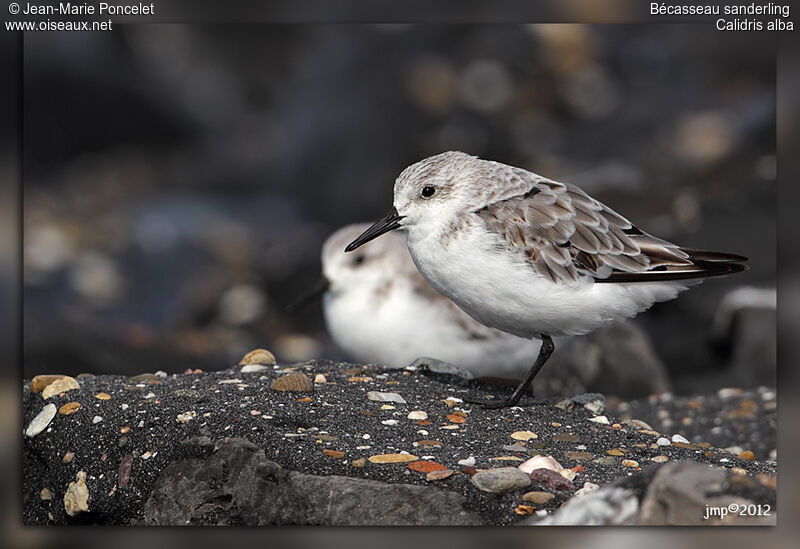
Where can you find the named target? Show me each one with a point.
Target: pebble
(38, 383)
(252, 368)
(748, 455)
(579, 456)
(537, 497)
(594, 402)
(425, 466)
(429, 442)
(69, 408)
(615, 452)
(457, 417)
(565, 437)
(392, 458)
(186, 417)
(147, 379)
(678, 438)
(540, 462)
(417, 414)
(45, 495)
(439, 475)
(523, 435)
(230, 381)
(359, 463)
(728, 392)
(502, 479)
(125, 470)
(552, 479)
(663, 441)
(76, 498)
(68, 457)
(147, 455)
(336, 454)
(319, 378)
(587, 487)
(258, 356)
(389, 422)
(102, 396)
(388, 407)
(385, 397)
(149, 396)
(524, 510)
(630, 463)
(468, 462)
(605, 460)
(41, 421)
(61, 385)
(600, 419)
(294, 382)
(659, 459)
(452, 401)
(97, 419)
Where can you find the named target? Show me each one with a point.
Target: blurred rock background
(180, 180)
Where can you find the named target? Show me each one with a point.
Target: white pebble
(678, 438)
(389, 422)
(663, 441)
(365, 436)
(124, 406)
(149, 395)
(469, 462)
(587, 487)
(600, 419)
(417, 414)
(41, 421)
(319, 378)
(385, 397)
(97, 419)
(422, 432)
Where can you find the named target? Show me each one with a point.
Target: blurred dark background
(180, 180)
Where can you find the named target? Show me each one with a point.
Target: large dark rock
(237, 484)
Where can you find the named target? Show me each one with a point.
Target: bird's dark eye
(427, 191)
(358, 260)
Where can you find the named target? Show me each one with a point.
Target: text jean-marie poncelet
(101, 8)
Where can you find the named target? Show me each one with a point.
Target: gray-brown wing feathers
(566, 234)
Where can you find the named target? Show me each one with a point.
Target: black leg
(544, 353)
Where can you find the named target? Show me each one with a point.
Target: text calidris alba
(379, 309)
(531, 256)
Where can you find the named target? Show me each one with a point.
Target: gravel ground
(152, 420)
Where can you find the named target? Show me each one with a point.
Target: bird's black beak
(313, 293)
(389, 222)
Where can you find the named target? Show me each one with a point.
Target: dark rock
(551, 479)
(238, 485)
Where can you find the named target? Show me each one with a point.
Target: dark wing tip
(700, 268)
(707, 255)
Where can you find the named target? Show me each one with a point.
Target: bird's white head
(370, 266)
(434, 189)
(428, 194)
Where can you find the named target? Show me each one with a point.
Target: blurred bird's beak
(389, 222)
(313, 294)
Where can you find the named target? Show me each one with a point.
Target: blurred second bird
(379, 309)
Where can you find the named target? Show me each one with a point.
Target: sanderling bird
(378, 309)
(531, 256)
